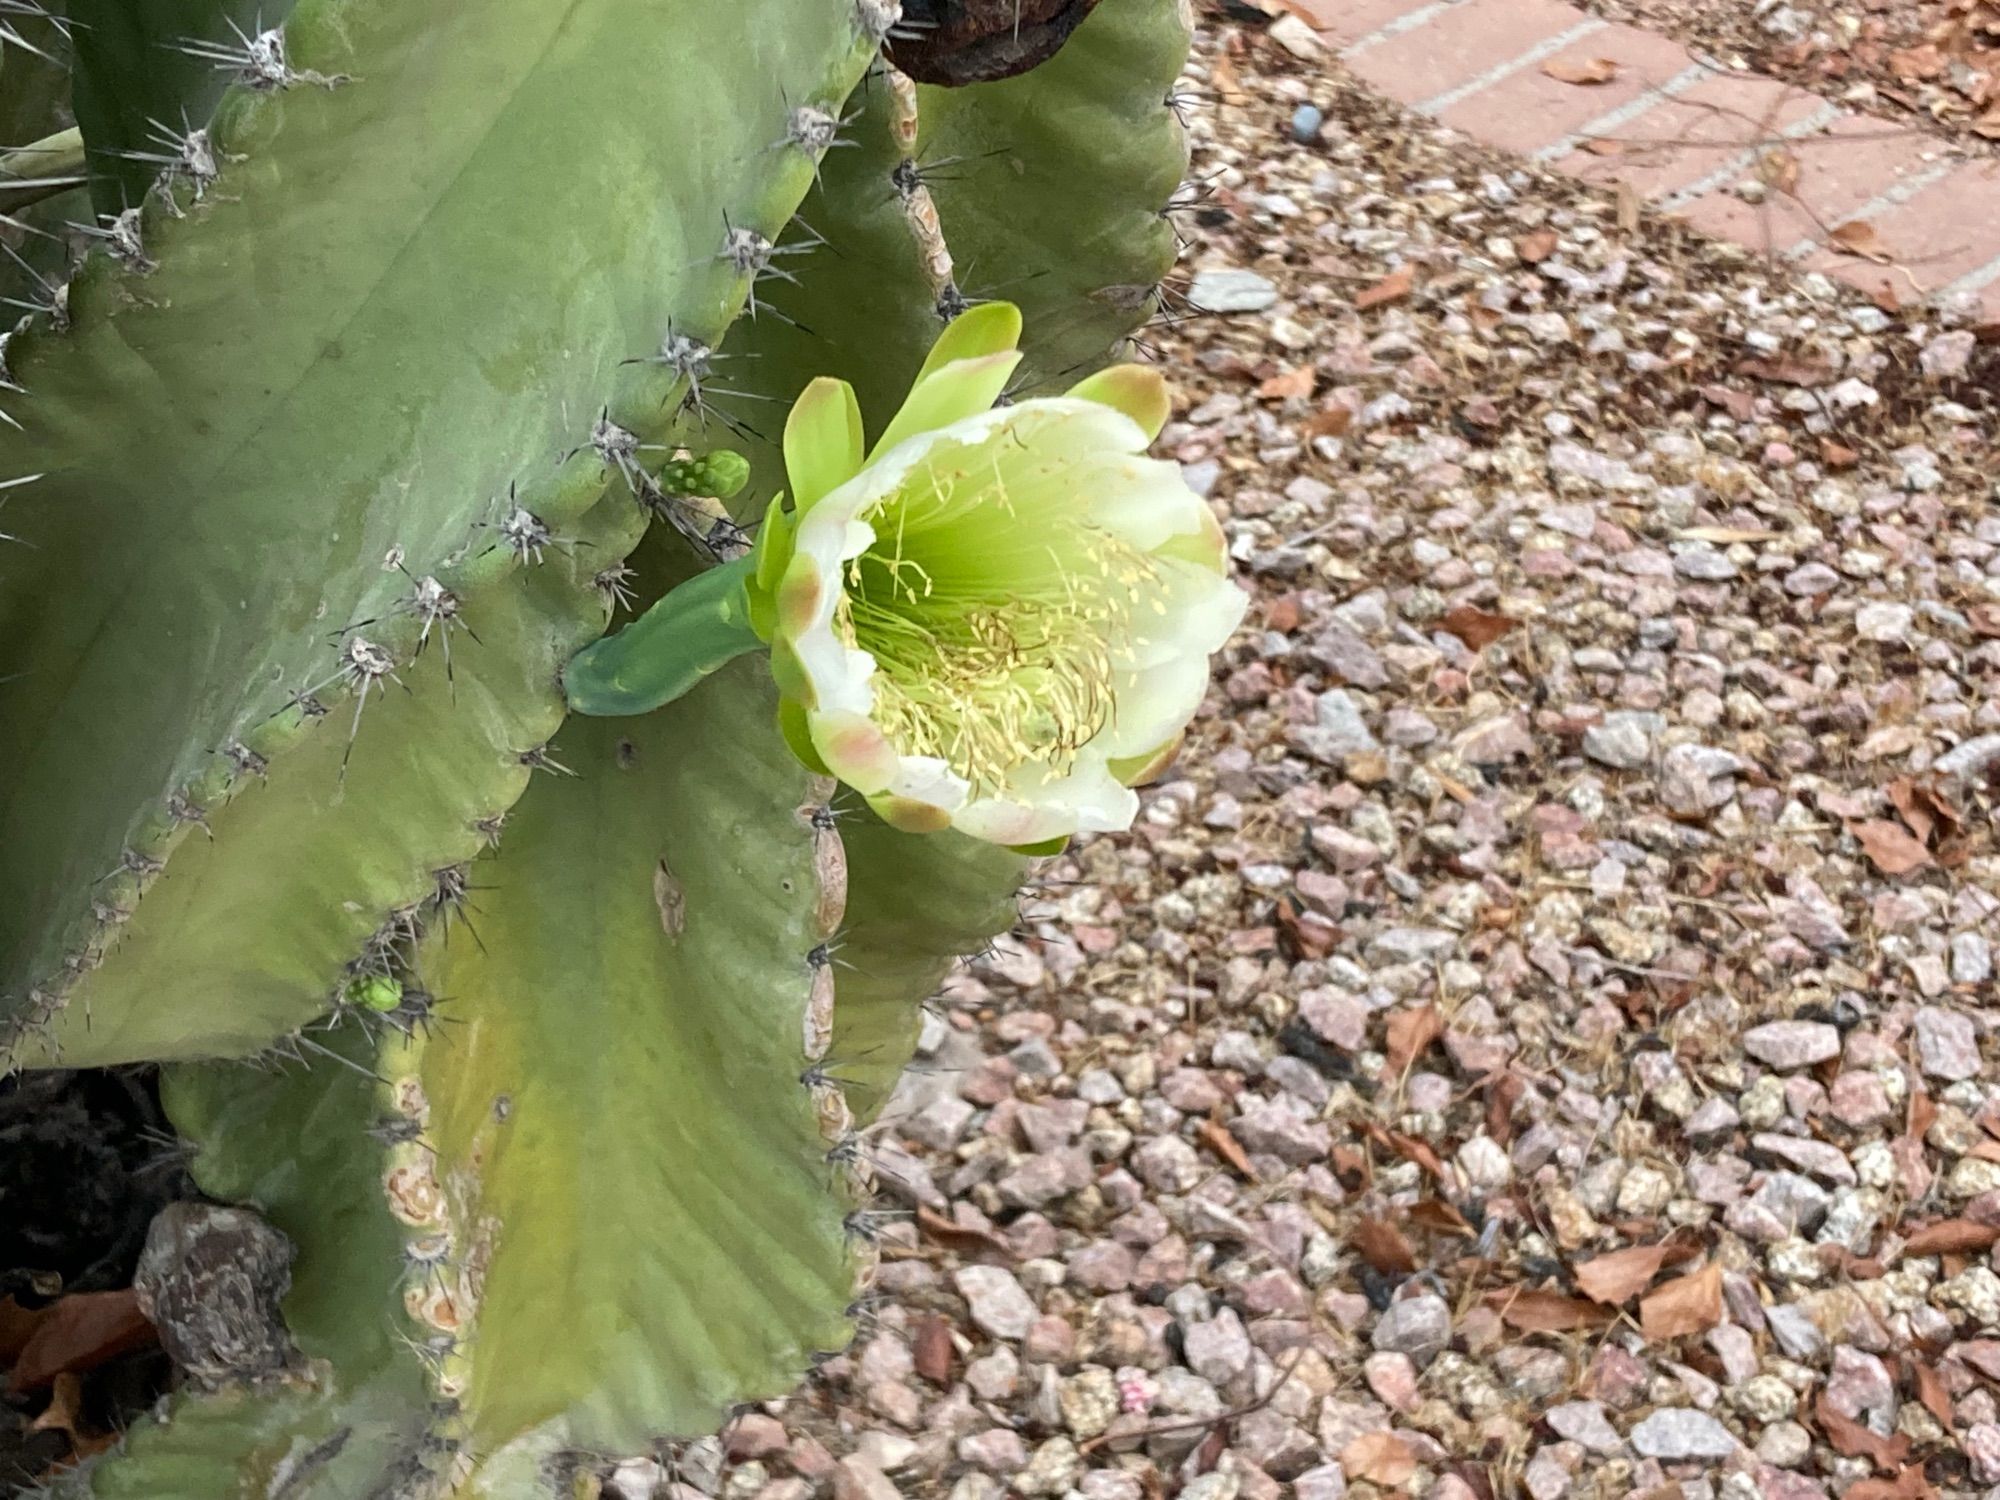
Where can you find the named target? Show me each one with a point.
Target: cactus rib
(239, 455)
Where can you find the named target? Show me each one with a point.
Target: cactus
(337, 445)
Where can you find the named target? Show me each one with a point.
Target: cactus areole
(997, 619)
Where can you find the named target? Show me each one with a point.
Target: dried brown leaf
(1859, 237)
(1739, 404)
(1534, 1311)
(77, 1333)
(1686, 1305)
(1852, 1439)
(1297, 381)
(1910, 1484)
(1478, 628)
(956, 1236)
(1379, 1458)
(1785, 370)
(1382, 1245)
(1985, 619)
(932, 1351)
(1838, 455)
(1435, 1213)
(1621, 1275)
(1218, 1139)
(1951, 1237)
(1391, 288)
(1536, 246)
(1892, 848)
(1411, 1033)
(1586, 72)
(1932, 1393)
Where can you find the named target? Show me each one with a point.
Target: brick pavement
(1685, 136)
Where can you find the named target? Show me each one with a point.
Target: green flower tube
(998, 619)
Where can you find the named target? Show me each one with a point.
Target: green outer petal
(698, 628)
(1139, 391)
(989, 328)
(824, 442)
(964, 388)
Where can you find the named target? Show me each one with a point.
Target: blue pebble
(1306, 120)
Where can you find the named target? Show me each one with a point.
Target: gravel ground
(1535, 1044)
(1935, 61)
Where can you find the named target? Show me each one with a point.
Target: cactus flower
(1000, 618)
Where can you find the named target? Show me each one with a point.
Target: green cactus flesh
(1064, 171)
(606, 1125)
(356, 363)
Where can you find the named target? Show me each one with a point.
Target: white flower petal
(1152, 706)
(1200, 612)
(1144, 502)
(839, 676)
(1038, 808)
(925, 778)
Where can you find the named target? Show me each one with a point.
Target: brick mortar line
(1976, 280)
(1827, 112)
(1423, 15)
(1895, 196)
(1547, 47)
(1625, 113)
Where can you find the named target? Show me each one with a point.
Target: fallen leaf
(1409, 1147)
(1294, 382)
(1435, 1213)
(1411, 1033)
(1779, 170)
(1739, 404)
(1382, 1245)
(64, 1414)
(1686, 1305)
(1985, 619)
(17, 1325)
(1478, 628)
(1852, 1439)
(1892, 847)
(1951, 1237)
(1331, 420)
(1548, 1312)
(1622, 1274)
(1391, 288)
(1218, 1139)
(1380, 1458)
(1932, 1393)
(932, 1351)
(1858, 237)
(1536, 246)
(1838, 455)
(1786, 371)
(956, 1236)
(1586, 72)
(1600, 146)
(1908, 1485)
(79, 1332)
(1982, 1354)
(1927, 810)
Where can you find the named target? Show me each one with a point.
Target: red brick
(1459, 45)
(1948, 229)
(1529, 110)
(1347, 21)
(1685, 138)
(1857, 159)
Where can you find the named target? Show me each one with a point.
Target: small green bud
(719, 474)
(377, 992)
